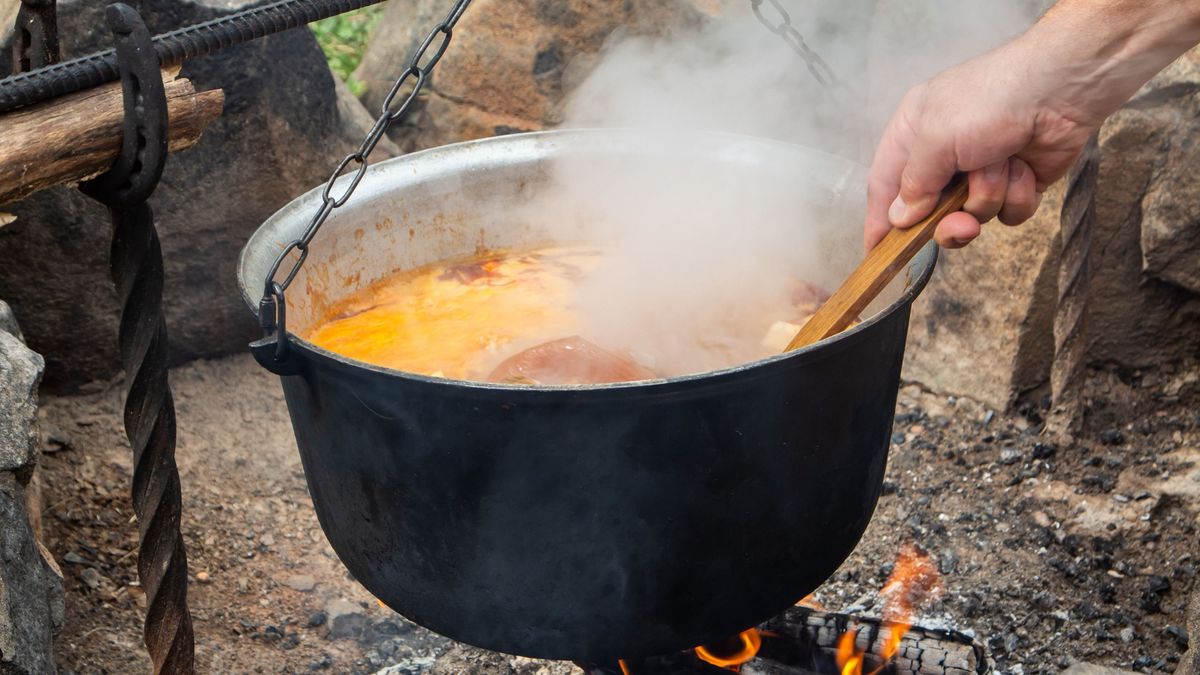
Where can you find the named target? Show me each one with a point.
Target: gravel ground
(1050, 553)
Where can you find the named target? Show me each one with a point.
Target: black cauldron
(598, 522)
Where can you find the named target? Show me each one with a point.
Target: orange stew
(507, 316)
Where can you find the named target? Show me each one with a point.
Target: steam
(695, 251)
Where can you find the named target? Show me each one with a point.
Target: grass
(344, 38)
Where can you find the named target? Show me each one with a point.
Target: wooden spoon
(877, 270)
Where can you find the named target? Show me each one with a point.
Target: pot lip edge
(924, 262)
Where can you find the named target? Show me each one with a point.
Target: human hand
(1001, 119)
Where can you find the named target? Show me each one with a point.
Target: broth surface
(503, 315)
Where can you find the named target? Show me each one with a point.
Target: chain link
(782, 27)
(272, 309)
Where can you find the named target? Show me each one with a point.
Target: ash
(1050, 552)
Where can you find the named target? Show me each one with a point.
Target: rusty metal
(137, 273)
(1069, 369)
(35, 39)
(172, 48)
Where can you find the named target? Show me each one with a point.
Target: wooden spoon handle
(877, 270)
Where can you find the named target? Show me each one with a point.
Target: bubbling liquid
(512, 316)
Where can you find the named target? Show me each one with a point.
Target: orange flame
(732, 656)
(913, 582)
(810, 602)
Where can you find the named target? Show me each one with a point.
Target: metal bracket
(138, 168)
(35, 42)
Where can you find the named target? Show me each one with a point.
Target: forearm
(1103, 51)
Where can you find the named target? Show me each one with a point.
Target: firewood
(923, 651)
(76, 137)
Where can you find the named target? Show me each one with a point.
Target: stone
(1170, 238)
(20, 372)
(1190, 663)
(1138, 166)
(345, 619)
(511, 63)
(31, 589)
(460, 658)
(286, 124)
(983, 328)
(301, 582)
(1090, 669)
(8, 321)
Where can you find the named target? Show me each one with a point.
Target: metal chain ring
(272, 309)
(782, 27)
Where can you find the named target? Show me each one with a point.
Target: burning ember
(913, 582)
(733, 652)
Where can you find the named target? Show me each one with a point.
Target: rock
(983, 328)
(1170, 234)
(31, 604)
(345, 619)
(8, 321)
(301, 582)
(286, 125)
(511, 63)
(1190, 664)
(460, 658)
(1089, 669)
(20, 372)
(1143, 234)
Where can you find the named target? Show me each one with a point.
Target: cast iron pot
(587, 523)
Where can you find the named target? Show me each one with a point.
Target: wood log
(76, 137)
(809, 640)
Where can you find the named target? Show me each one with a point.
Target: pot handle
(266, 352)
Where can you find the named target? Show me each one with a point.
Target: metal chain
(782, 27)
(272, 309)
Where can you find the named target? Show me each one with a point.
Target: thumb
(931, 165)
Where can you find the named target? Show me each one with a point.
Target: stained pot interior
(455, 200)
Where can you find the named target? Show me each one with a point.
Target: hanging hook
(35, 42)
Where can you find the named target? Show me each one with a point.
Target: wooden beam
(76, 137)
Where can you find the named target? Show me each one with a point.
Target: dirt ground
(1049, 554)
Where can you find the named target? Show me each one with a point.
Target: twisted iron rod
(137, 273)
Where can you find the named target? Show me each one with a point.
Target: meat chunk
(571, 360)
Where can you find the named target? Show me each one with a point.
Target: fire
(732, 655)
(913, 581)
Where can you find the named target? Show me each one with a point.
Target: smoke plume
(697, 251)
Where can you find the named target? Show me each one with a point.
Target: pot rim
(924, 262)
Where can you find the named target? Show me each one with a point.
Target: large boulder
(31, 590)
(1171, 207)
(287, 122)
(1144, 310)
(511, 63)
(984, 326)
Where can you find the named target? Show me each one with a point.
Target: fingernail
(897, 212)
(1016, 172)
(993, 172)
